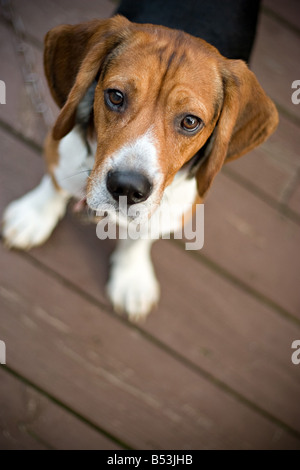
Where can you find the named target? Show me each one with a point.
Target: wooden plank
(275, 61)
(227, 333)
(29, 420)
(22, 169)
(13, 414)
(231, 335)
(294, 202)
(254, 242)
(289, 10)
(108, 372)
(53, 12)
(39, 17)
(18, 111)
(272, 166)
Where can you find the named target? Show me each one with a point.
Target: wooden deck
(211, 367)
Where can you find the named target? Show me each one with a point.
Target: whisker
(78, 173)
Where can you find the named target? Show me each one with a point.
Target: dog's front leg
(133, 287)
(30, 220)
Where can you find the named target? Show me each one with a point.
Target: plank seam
(224, 273)
(170, 351)
(281, 207)
(280, 19)
(66, 408)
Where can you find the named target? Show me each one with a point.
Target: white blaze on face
(140, 156)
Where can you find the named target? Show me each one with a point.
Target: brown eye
(114, 99)
(191, 123)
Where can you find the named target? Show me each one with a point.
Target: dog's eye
(114, 99)
(191, 123)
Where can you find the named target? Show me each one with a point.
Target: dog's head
(157, 99)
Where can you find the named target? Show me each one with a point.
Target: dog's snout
(135, 186)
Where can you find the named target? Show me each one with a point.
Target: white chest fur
(75, 163)
(177, 199)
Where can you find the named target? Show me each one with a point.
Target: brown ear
(73, 56)
(247, 119)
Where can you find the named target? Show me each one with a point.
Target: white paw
(30, 220)
(133, 289)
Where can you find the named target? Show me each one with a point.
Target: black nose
(135, 186)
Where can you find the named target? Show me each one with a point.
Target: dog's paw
(133, 290)
(25, 226)
(30, 220)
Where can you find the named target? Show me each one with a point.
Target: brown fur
(165, 74)
(51, 156)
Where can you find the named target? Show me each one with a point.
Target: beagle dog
(147, 113)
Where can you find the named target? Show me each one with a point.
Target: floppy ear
(73, 56)
(246, 120)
